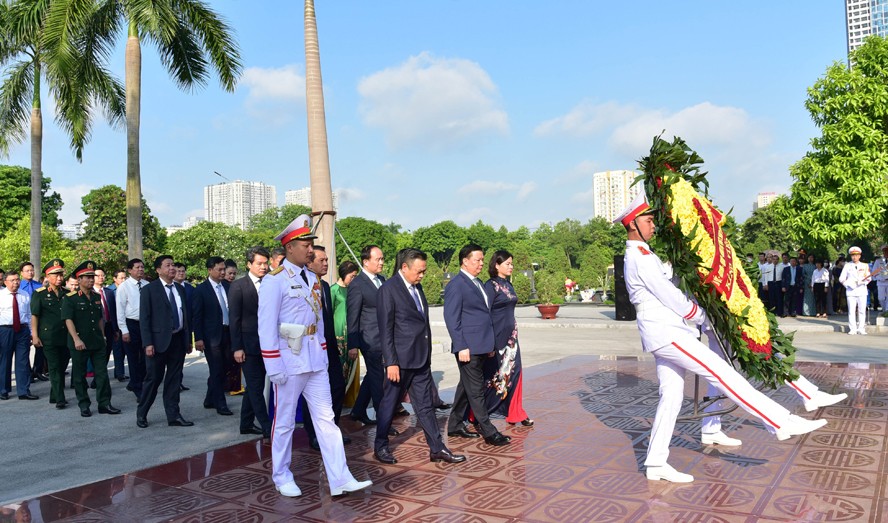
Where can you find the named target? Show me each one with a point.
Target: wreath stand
(701, 404)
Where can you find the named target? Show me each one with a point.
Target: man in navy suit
(792, 284)
(181, 271)
(163, 325)
(112, 331)
(243, 302)
(406, 342)
(467, 316)
(211, 331)
(363, 330)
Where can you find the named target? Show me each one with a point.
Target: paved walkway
(60, 450)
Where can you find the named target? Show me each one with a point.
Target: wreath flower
(691, 235)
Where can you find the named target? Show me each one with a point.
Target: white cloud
(432, 103)
(71, 212)
(587, 118)
(349, 194)
(525, 190)
(275, 95)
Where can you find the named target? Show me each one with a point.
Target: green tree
(360, 232)
(841, 188)
(76, 86)
(15, 245)
(194, 245)
(104, 207)
(107, 255)
(190, 38)
(276, 219)
(15, 198)
(441, 241)
(766, 230)
(484, 235)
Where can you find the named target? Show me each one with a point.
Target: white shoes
(289, 489)
(668, 473)
(720, 438)
(862, 333)
(852, 333)
(822, 399)
(796, 426)
(352, 486)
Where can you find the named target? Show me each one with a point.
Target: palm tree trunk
(36, 171)
(133, 79)
(318, 156)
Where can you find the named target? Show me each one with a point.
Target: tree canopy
(15, 198)
(105, 207)
(15, 244)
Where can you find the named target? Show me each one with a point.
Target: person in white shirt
(820, 286)
(15, 338)
(881, 278)
(855, 277)
(128, 321)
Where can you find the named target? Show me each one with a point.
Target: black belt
(13, 326)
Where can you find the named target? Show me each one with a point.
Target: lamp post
(529, 274)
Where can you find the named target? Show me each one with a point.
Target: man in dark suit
(405, 338)
(792, 285)
(112, 332)
(363, 330)
(243, 302)
(319, 265)
(181, 272)
(467, 316)
(163, 325)
(210, 322)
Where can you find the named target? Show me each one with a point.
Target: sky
(463, 110)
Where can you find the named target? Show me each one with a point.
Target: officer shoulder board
(72, 293)
(277, 271)
(643, 250)
(41, 289)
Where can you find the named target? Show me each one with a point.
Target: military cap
(299, 229)
(638, 207)
(854, 250)
(54, 266)
(87, 268)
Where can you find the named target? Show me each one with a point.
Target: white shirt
(219, 291)
(374, 278)
(769, 271)
(24, 307)
(256, 282)
(411, 289)
(820, 276)
(882, 277)
(128, 302)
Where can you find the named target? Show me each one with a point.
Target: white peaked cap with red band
(638, 207)
(299, 229)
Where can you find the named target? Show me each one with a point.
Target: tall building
(234, 203)
(763, 199)
(864, 18)
(613, 191)
(303, 197)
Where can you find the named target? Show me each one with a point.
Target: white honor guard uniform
(855, 277)
(662, 313)
(881, 278)
(291, 337)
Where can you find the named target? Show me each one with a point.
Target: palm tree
(318, 156)
(190, 37)
(75, 89)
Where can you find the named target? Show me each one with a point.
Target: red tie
(104, 305)
(16, 321)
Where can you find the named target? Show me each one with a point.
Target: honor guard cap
(854, 250)
(87, 268)
(638, 207)
(299, 229)
(54, 266)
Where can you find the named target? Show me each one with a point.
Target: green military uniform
(84, 309)
(46, 310)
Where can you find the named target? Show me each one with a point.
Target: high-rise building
(613, 191)
(234, 203)
(864, 18)
(763, 199)
(303, 197)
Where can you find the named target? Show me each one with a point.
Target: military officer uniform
(83, 315)
(662, 312)
(291, 340)
(49, 327)
(855, 277)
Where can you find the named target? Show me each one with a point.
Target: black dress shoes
(443, 406)
(42, 377)
(61, 404)
(85, 412)
(364, 419)
(224, 412)
(384, 455)
(393, 431)
(142, 423)
(4, 396)
(208, 406)
(110, 409)
(463, 432)
(446, 455)
(29, 396)
(252, 430)
(497, 440)
(180, 422)
(183, 388)
(123, 378)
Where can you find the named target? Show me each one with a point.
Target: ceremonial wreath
(690, 235)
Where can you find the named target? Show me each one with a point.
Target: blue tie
(416, 298)
(174, 308)
(222, 304)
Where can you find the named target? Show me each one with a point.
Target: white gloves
(293, 333)
(278, 379)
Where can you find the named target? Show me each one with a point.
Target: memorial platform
(581, 462)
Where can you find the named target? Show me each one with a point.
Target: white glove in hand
(278, 379)
(703, 319)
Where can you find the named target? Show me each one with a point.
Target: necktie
(481, 288)
(222, 304)
(16, 321)
(416, 298)
(304, 276)
(104, 306)
(377, 281)
(140, 286)
(258, 283)
(174, 308)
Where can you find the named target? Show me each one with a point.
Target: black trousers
(135, 355)
(421, 386)
(470, 393)
(337, 395)
(217, 360)
(820, 297)
(253, 406)
(775, 297)
(164, 367)
(371, 387)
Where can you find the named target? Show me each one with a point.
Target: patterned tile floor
(581, 462)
